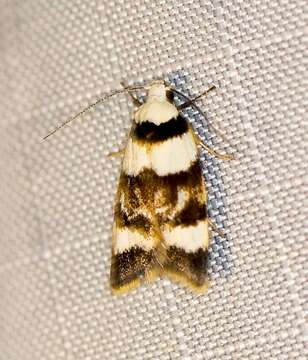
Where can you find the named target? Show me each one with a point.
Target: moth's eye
(170, 95)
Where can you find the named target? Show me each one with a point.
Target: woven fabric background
(56, 196)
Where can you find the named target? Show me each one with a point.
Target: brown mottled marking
(137, 221)
(141, 189)
(192, 212)
(189, 266)
(130, 265)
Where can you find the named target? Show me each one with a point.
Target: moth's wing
(135, 234)
(185, 229)
(160, 214)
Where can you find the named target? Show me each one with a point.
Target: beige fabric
(56, 196)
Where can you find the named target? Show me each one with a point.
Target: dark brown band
(152, 133)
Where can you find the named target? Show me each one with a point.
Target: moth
(161, 223)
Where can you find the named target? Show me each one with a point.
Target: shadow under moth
(161, 223)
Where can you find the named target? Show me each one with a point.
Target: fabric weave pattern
(56, 196)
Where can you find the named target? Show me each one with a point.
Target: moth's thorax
(157, 108)
(158, 91)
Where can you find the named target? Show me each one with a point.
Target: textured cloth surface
(56, 196)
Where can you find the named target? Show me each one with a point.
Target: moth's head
(158, 89)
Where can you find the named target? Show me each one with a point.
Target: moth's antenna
(102, 99)
(192, 103)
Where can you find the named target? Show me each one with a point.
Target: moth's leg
(215, 228)
(211, 151)
(116, 153)
(191, 101)
(135, 100)
(216, 154)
